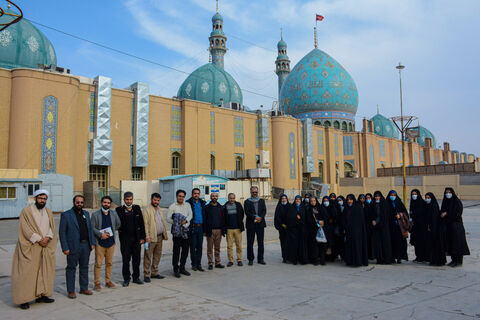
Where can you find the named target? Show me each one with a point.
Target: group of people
(371, 227)
(33, 267)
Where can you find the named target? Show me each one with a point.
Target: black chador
(368, 214)
(296, 250)
(395, 210)
(339, 230)
(280, 223)
(329, 228)
(437, 230)
(457, 246)
(315, 216)
(379, 222)
(419, 237)
(356, 251)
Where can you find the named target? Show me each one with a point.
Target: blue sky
(437, 41)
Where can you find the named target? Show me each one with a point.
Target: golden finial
(315, 35)
(281, 34)
(217, 5)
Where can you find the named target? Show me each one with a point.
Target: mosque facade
(85, 128)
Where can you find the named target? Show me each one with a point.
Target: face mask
(326, 203)
(448, 195)
(428, 200)
(393, 198)
(340, 203)
(377, 200)
(369, 200)
(414, 197)
(284, 202)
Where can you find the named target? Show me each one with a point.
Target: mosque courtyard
(274, 291)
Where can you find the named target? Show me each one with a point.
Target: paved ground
(274, 291)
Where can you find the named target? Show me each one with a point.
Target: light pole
(400, 67)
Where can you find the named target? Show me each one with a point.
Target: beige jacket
(151, 223)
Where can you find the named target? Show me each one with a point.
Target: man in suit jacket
(132, 236)
(77, 240)
(255, 210)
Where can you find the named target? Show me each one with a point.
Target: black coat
(419, 236)
(399, 242)
(381, 242)
(211, 210)
(438, 233)
(240, 215)
(356, 251)
(250, 213)
(139, 224)
(457, 242)
(296, 247)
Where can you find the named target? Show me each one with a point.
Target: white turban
(41, 191)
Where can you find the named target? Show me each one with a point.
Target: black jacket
(209, 211)
(250, 213)
(139, 225)
(191, 201)
(240, 215)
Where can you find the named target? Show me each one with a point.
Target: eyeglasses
(78, 202)
(42, 198)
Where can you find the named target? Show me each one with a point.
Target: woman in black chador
(339, 233)
(296, 250)
(356, 252)
(452, 209)
(379, 221)
(419, 236)
(280, 223)
(368, 214)
(331, 211)
(315, 218)
(398, 221)
(438, 231)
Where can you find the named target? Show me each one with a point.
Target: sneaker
(184, 272)
(240, 263)
(146, 279)
(219, 266)
(97, 287)
(199, 268)
(45, 299)
(250, 263)
(158, 276)
(229, 264)
(210, 267)
(25, 306)
(125, 283)
(138, 281)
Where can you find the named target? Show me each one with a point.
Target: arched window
(344, 126)
(212, 162)
(327, 124)
(216, 42)
(320, 171)
(238, 163)
(175, 163)
(350, 127)
(336, 125)
(317, 123)
(347, 169)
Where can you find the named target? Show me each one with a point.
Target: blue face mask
(340, 203)
(414, 197)
(377, 200)
(393, 198)
(369, 200)
(428, 200)
(448, 195)
(326, 203)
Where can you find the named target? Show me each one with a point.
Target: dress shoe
(199, 268)
(399, 261)
(219, 266)
(262, 262)
(97, 287)
(240, 263)
(456, 264)
(229, 264)
(72, 295)
(250, 263)
(86, 292)
(45, 299)
(137, 281)
(110, 284)
(184, 272)
(125, 283)
(146, 279)
(451, 263)
(25, 306)
(210, 267)
(158, 276)
(194, 268)
(176, 274)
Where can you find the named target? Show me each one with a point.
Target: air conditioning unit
(264, 158)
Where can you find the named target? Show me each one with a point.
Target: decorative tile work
(176, 123)
(257, 133)
(212, 127)
(422, 157)
(372, 161)
(133, 118)
(291, 148)
(320, 142)
(381, 148)
(92, 111)
(239, 131)
(400, 152)
(395, 157)
(49, 134)
(415, 158)
(348, 145)
(336, 144)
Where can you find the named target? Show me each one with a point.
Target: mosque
(60, 123)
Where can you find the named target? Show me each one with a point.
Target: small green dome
(384, 127)
(210, 83)
(22, 45)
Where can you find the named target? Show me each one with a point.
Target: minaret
(282, 63)
(218, 40)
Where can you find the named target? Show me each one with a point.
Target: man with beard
(214, 229)
(33, 266)
(255, 211)
(77, 240)
(104, 224)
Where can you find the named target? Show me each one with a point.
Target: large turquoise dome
(384, 127)
(22, 45)
(425, 133)
(210, 83)
(321, 89)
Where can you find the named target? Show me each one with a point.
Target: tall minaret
(282, 63)
(218, 40)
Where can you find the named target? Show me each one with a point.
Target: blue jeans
(78, 257)
(196, 245)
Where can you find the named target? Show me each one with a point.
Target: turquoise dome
(22, 45)
(425, 133)
(210, 83)
(281, 44)
(320, 88)
(385, 127)
(217, 17)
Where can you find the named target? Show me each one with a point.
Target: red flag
(318, 17)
